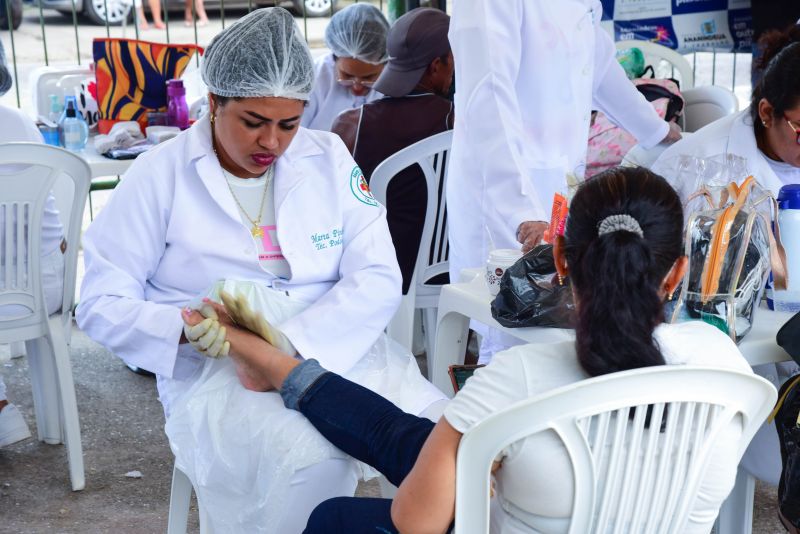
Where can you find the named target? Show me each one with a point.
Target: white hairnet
(5, 75)
(261, 54)
(358, 31)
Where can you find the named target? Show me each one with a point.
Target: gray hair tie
(619, 223)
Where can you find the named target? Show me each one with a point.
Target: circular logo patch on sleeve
(360, 188)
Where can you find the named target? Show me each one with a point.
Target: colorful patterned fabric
(132, 77)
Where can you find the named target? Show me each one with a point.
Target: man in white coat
(528, 75)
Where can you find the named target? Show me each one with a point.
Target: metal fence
(55, 34)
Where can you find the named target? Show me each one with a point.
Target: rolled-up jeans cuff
(299, 381)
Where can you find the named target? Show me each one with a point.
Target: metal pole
(305, 22)
(733, 82)
(166, 17)
(44, 33)
(75, 26)
(194, 23)
(10, 20)
(105, 6)
(135, 20)
(221, 15)
(713, 66)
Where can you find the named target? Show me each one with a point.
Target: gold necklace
(256, 231)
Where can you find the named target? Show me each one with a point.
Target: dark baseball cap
(414, 40)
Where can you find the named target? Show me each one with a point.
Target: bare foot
(159, 25)
(143, 25)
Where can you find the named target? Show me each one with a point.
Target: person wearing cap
(344, 78)
(415, 82)
(248, 196)
(527, 79)
(18, 127)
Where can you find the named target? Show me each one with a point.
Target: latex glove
(240, 312)
(208, 337)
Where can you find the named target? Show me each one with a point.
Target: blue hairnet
(359, 32)
(5, 75)
(261, 54)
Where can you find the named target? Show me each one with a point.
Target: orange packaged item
(558, 218)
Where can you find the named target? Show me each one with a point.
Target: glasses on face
(796, 130)
(350, 82)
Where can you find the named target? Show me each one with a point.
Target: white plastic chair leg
(180, 495)
(418, 340)
(17, 349)
(736, 513)
(429, 327)
(69, 405)
(42, 371)
(450, 348)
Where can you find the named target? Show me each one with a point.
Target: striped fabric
(132, 77)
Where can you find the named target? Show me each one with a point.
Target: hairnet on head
(359, 32)
(5, 75)
(261, 54)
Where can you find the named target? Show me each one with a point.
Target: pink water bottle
(177, 109)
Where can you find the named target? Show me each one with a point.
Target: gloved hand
(240, 312)
(208, 337)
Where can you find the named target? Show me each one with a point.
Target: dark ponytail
(779, 66)
(617, 276)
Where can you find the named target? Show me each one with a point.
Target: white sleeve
(316, 96)
(345, 322)
(491, 389)
(486, 83)
(122, 250)
(616, 96)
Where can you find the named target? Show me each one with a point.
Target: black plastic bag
(530, 294)
(786, 423)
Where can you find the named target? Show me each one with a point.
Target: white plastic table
(470, 300)
(101, 165)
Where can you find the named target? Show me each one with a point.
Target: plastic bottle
(789, 218)
(74, 129)
(55, 109)
(632, 61)
(177, 109)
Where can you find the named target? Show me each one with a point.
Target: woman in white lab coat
(527, 78)
(246, 195)
(356, 37)
(767, 136)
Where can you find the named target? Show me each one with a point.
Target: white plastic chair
(22, 196)
(657, 55)
(431, 155)
(600, 421)
(179, 499)
(706, 104)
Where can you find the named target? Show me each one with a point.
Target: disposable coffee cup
(499, 260)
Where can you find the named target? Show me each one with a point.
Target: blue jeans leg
(352, 515)
(364, 425)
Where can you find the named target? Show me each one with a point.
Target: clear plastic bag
(240, 448)
(731, 248)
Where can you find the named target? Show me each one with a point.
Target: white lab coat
(172, 228)
(328, 99)
(734, 135)
(527, 77)
(729, 135)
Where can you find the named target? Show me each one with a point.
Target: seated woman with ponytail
(623, 254)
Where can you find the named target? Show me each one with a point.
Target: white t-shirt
(15, 126)
(535, 480)
(328, 98)
(249, 192)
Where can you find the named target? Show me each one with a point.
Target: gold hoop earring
(560, 279)
(212, 118)
(670, 295)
